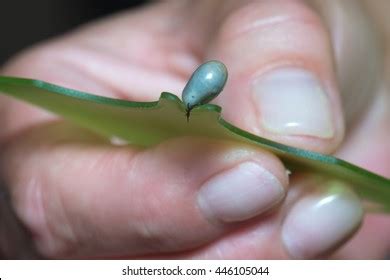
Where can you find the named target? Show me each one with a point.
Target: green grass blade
(149, 123)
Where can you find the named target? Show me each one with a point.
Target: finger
(281, 74)
(81, 197)
(373, 240)
(315, 220)
(323, 218)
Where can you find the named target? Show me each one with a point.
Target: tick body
(205, 84)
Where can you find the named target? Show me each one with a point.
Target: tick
(205, 84)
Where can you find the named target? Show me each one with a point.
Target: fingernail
(319, 223)
(240, 193)
(292, 101)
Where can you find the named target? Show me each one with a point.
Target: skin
(70, 188)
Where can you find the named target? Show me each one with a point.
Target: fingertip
(240, 193)
(321, 222)
(281, 75)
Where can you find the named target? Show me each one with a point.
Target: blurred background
(23, 23)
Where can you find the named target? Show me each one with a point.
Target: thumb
(282, 76)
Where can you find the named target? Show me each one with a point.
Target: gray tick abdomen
(205, 84)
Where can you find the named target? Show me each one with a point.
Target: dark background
(24, 22)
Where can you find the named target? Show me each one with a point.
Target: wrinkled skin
(76, 195)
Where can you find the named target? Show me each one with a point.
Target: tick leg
(188, 112)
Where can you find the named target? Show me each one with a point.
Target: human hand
(81, 196)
